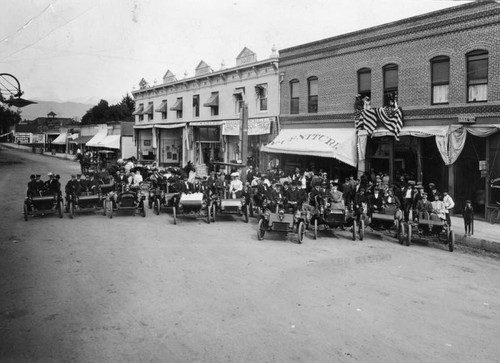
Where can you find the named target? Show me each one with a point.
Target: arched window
(312, 94)
(390, 83)
(440, 79)
(477, 76)
(294, 96)
(365, 82)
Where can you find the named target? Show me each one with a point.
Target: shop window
(196, 106)
(261, 92)
(294, 96)
(150, 111)
(312, 95)
(440, 73)
(390, 83)
(164, 110)
(365, 82)
(477, 76)
(141, 115)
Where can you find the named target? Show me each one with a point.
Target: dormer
(143, 84)
(202, 69)
(246, 56)
(169, 77)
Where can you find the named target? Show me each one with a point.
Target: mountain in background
(74, 110)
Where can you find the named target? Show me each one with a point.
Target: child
(468, 215)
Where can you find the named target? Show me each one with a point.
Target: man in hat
(32, 188)
(72, 187)
(468, 215)
(186, 187)
(47, 183)
(250, 173)
(52, 186)
(418, 191)
(375, 201)
(277, 198)
(423, 207)
(407, 194)
(39, 184)
(294, 196)
(360, 203)
(236, 186)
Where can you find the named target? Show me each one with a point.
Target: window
(149, 111)
(164, 110)
(477, 76)
(440, 73)
(261, 92)
(390, 83)
(213, 103)
(365, 82)
(141, 115)
(196, 106)
(312, 91)
(294, 96)
(239, 99)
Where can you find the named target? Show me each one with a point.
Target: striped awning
(163, 107)
(148, 110)
(177, 106)
(138, 110)
(213, 101)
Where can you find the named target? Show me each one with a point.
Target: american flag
(391, 118)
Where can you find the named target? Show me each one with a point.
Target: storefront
(146, 148)
(334, 150)
(170, 144)
(206, 143)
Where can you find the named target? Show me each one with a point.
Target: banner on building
(256, 126)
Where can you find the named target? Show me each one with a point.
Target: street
(94, 289)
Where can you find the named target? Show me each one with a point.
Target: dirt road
(138, 289)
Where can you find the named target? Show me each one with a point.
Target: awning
(170, 126)
(417, 131)
(97, 137)
(213, 101)
(81, 139)
(206, 123)
(148, 126)
(138, 110)
(177, 105)
(337, 143)
(163, 107)
(110, 141)
(61, 139)
(148, 110)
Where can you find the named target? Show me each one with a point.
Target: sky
(87, 50)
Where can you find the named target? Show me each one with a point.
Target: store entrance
(469, 183)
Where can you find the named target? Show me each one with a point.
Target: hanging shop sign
(466, 119)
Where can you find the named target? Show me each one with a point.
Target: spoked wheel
(71, 210)
(250, 209)
(25, 212)
(61, 208)
(150, 203)
(104, 205)
(156, 206)
(261, 231)
(408, 235)
(301, 229)
(209, 213)
(174, 214)
(315, 231)
(401, 233)
(246, 212)
(494, 216)
(143, 210)
(451, 241)
(354, 228)
(361, 229)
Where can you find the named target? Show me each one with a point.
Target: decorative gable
(169, 77)
(246, 56)
(143, 84)
(203, 68)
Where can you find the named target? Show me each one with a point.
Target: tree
(8, 118)
(103, 112)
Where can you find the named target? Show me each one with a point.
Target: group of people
(38, 187)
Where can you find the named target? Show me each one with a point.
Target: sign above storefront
(466, 119)
(256, 126)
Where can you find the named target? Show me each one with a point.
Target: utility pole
(244, 140)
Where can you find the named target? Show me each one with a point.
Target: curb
(14, 147)
(478, 243)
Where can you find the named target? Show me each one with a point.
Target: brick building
(442, 68)
(198, 118)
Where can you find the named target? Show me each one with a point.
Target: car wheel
(61, 208)
(174, 214)
(261, 231)
(451, 241)
(408, 235)
(245, 213)
(315, 230)
(361, 230)
(354, 228)
(300, 231)
(71, 210)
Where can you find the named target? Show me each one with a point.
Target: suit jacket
(375, 202)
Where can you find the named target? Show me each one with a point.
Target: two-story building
(198, 118)
(424, 93)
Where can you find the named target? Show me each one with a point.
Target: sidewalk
(28, 149)
(486, 236)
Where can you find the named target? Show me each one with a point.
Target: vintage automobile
(223, 205)
(127, 200)
(193, 204)
(428, 227)
(43, 204)
(281, 222)
(89, 202)
(387, 221)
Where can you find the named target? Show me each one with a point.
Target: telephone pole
(244, 140)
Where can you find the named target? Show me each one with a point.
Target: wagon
(428, 228)
(41, 205)
(88, 202)
(281, 222)
(126, 201)
(194, 204)
(332, 219)
(388, 221)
